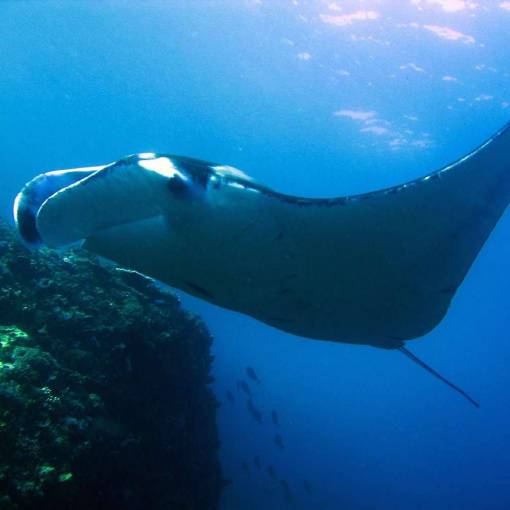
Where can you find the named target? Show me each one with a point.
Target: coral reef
(104, 389)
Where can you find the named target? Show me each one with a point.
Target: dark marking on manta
(178, 187)
(200, 172)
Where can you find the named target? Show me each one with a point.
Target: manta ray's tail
(418, 361)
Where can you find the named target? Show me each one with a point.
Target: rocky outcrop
(104, 389)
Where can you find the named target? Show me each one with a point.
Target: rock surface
(104, 389)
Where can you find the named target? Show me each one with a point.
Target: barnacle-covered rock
(104, 397)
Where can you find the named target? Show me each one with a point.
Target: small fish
(256, 461)
(278, 441)
(230, 397)
(252, 375)
(244, 386)
(271, 472)
(255, 413)
(307, 486)
(286, 491)
(274, 417)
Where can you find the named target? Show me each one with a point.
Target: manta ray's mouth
(34, 194)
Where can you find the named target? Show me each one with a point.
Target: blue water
(316, 98)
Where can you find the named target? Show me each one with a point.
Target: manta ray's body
(377, 268)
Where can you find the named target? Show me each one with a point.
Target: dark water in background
(256, 84)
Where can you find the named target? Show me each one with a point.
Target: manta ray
(377, 268)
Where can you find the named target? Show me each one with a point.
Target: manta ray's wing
(377, 268)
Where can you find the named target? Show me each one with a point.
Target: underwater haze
(318, 99)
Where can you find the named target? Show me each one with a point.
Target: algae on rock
(104, 396)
